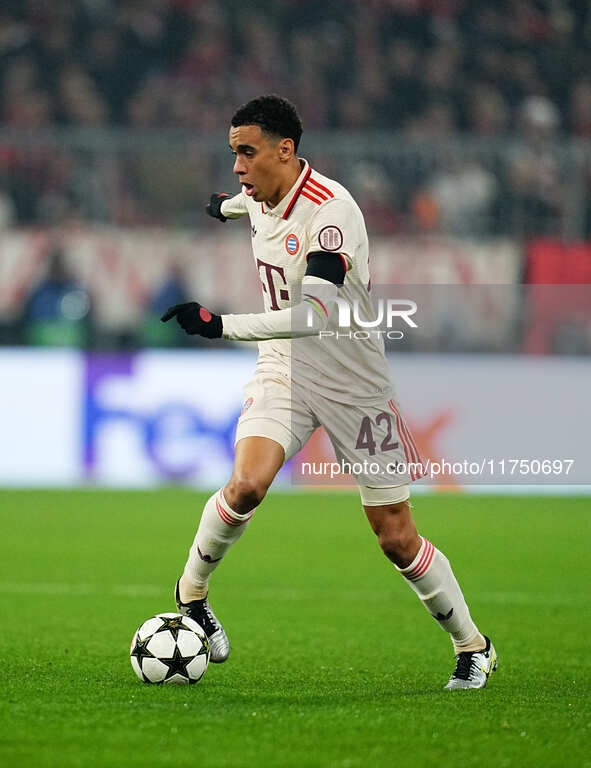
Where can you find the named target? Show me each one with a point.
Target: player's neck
(286, 183)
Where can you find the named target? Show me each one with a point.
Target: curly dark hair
(274, 116)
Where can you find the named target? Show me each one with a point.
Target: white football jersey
(317, 214)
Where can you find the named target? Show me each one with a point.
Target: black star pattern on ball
(140, 650)
(173, 624)
(177, 665)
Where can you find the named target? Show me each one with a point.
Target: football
(171, 649)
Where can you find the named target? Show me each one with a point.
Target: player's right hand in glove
(214, 207)
(195, 319)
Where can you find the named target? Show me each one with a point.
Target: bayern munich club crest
(330, 238)
(292, 244)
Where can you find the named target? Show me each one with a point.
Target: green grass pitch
(334, 661)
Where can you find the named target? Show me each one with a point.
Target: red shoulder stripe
(313, 199)
(321, 186)
(314, 191)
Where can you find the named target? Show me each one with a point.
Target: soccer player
(310, 249)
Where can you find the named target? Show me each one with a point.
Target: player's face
(259, 162)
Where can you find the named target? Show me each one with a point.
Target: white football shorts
(371, 442)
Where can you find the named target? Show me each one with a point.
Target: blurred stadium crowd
(462, 118)
(426, 67)
(137, 88)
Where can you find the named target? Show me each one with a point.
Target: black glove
(214, 207)
(195, 319)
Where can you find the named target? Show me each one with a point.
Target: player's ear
(286, 149)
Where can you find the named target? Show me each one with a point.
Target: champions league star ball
(169, 648)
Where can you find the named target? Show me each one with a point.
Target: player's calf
(219, 528)
(430, 576)
(428, 573)
(396, 532)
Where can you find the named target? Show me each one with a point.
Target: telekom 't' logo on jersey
(268, 282)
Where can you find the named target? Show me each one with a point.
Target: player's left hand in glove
(214, 207)
(195, 319)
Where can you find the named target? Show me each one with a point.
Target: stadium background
(463, 130)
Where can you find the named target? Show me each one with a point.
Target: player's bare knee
(245, 492)
(397, 535)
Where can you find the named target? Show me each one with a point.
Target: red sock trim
(422, 566)
(227, 517)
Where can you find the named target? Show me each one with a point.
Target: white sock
(431, 577)
(219, 528)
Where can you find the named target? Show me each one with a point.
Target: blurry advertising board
(169, 417)
(558, 297)
(123, 269)
(483, 420)
(160, 417)
(40, 416)
(432, 260)
(553, 262)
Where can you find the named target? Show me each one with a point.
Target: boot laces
(465, 665)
